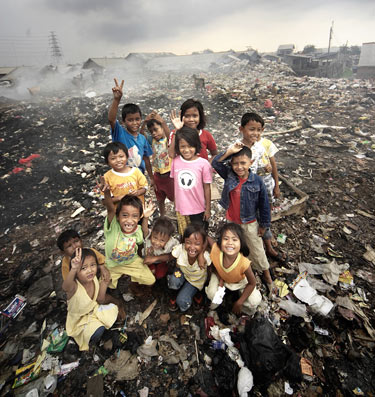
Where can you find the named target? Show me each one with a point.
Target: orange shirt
(234, 273)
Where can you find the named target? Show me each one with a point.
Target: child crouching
(123, 235)
(158, 247)
(191, 272)
(86, 319)
(232, 270)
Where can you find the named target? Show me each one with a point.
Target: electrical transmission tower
(56, 52)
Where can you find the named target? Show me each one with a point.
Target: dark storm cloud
(131, 21)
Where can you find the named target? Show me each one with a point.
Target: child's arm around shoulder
(104, 282)
(117, 95)
(70, 285)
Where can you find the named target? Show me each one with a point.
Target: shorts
(159, 270)
(164, 186)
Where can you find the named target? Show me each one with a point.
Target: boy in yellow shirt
(123, 179)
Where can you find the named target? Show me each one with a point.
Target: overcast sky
(96, 28)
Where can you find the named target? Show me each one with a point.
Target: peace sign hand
(76, 262)
(117, 89)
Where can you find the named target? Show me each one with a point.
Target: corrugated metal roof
(6, 70)
(199, 62)
(286, 47)
(107, 62)
(367, 57)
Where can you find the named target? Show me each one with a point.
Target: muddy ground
(334, 166)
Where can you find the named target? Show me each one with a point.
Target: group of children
(181, 171)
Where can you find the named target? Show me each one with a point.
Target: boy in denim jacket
(244, 196)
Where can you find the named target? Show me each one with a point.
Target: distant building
(285, 49)
(194, 62)
(99, 64)
(141, 58)
(250, 55)
(366, 65)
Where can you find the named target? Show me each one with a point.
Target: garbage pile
(317, 335)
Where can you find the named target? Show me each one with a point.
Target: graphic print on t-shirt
(134, 159)
(186, 179)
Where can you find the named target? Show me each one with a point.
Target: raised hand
(176, 120)
(235, 148)
(117, 89)
(76, 262)
(102, 184)
(148, 209)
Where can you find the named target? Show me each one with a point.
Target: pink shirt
(188, 178)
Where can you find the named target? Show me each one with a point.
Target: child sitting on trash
(123, 179)
(68, 241)
(158, 245)
(232, 270)
(138, 147)
(123, 235)
(263, 151)
(88, 314)
(244, 196)
(190, 274)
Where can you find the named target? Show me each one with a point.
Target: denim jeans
(186, 290)
(95, 337)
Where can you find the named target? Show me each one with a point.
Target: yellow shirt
(66, 262)
(122, 183)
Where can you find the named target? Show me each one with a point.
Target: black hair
(194, 228)
(65, 237)
(245, 151)
(163, 225)
(251, 117)
(134, 201)
(86, 252)
(235, 229)
(192, 103)
(191, 136)
(130, 108)
(150, 123)
(114, 147)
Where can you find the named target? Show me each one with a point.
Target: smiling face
(88, 270)
(241, 165)
(251, 132)
(133, 122)
(187, 152)
(230, 244)
(71, 245)
(194, 245)
(117, 161)
(128, 218)
(156, 131)
(158, 240)
(191, 117)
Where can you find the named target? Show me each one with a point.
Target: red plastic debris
(268, 103)
(27, 161)
(17, 170)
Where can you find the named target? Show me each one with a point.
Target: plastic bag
(245, 381)
(295, 309)
(265, 354)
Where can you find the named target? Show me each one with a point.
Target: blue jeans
(186, 290)
(95, 337)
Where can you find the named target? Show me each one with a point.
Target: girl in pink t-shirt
(192, 177)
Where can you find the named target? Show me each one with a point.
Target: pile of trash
(315, 338)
